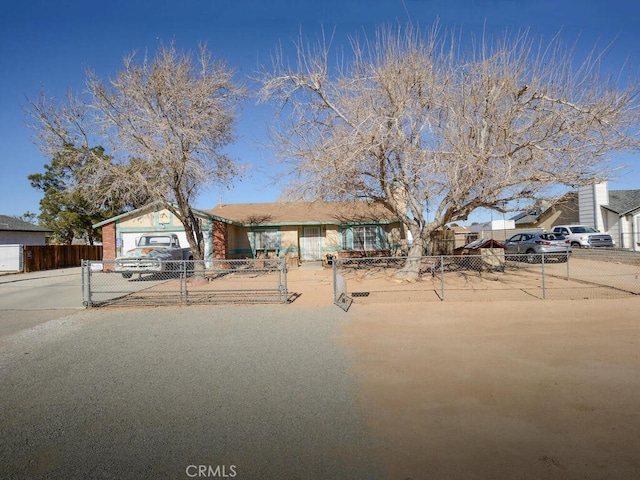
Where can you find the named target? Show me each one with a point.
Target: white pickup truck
(154, 253)
(584, 236)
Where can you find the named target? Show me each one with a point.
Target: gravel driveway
(248, 392)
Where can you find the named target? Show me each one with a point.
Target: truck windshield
(154, 241)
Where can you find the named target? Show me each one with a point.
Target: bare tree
(173, 114)
(434, 131)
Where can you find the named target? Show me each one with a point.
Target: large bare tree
(434, 131)
(173, 113)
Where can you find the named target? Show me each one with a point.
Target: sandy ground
(479, 390)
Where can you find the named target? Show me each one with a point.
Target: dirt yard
(478, 390)
(500, 389)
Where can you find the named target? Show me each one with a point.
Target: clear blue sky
(50, 43)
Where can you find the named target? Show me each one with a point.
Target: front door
(311, 243)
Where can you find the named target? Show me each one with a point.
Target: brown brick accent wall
(219, 239)
(109, 241)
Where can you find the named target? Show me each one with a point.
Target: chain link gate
(186, 283)
(584, 274)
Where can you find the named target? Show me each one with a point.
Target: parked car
(531, 246)
(584, 236)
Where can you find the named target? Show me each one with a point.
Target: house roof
(623, 201)
(14, 224)
(567, 205)
(301, 213)
(527, 218)
(150, 206)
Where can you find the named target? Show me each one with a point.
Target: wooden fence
(49, 257)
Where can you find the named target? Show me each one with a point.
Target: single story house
(14, 231)
(544, 216)
(299, 231)
(616, 212)
(310, 231)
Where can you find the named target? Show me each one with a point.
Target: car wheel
(576, 244)
(531, 258)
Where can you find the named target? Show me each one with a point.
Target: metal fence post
(544, 290)
(334, 268)
(183, 287)
(442, 276)
(282, 279)
(84, 293)
(88, 302)
(568, 269)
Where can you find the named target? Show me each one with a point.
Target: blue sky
(49, 43)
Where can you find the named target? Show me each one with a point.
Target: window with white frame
(365, 237)
(266, 239)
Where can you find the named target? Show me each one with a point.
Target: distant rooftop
(14, 224)
(623, 201)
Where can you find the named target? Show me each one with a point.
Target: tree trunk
(411, 269)
(194, 235)
(195, 239)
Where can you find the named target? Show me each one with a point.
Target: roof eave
(137, 211)
(316, 222)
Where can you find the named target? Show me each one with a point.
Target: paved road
(30, 299)
(264, 393)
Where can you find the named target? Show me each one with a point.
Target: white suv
(584, 236)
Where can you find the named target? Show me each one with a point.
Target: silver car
(532, 246)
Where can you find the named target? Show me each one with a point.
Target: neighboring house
(616, 212)
(15, 234)
(495, 229)
(545, 216)
(300, 231)
(539, 218)
(14, 231)
(310, 231)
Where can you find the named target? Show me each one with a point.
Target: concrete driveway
(29, 299)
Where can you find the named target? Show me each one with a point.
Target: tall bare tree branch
(174, 113)
(435, 131)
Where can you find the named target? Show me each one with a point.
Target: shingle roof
(526, 219)
(16, 225)
(281, 213)
(623, 201)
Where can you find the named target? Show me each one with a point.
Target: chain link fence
(585, 274)
(186, 283)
